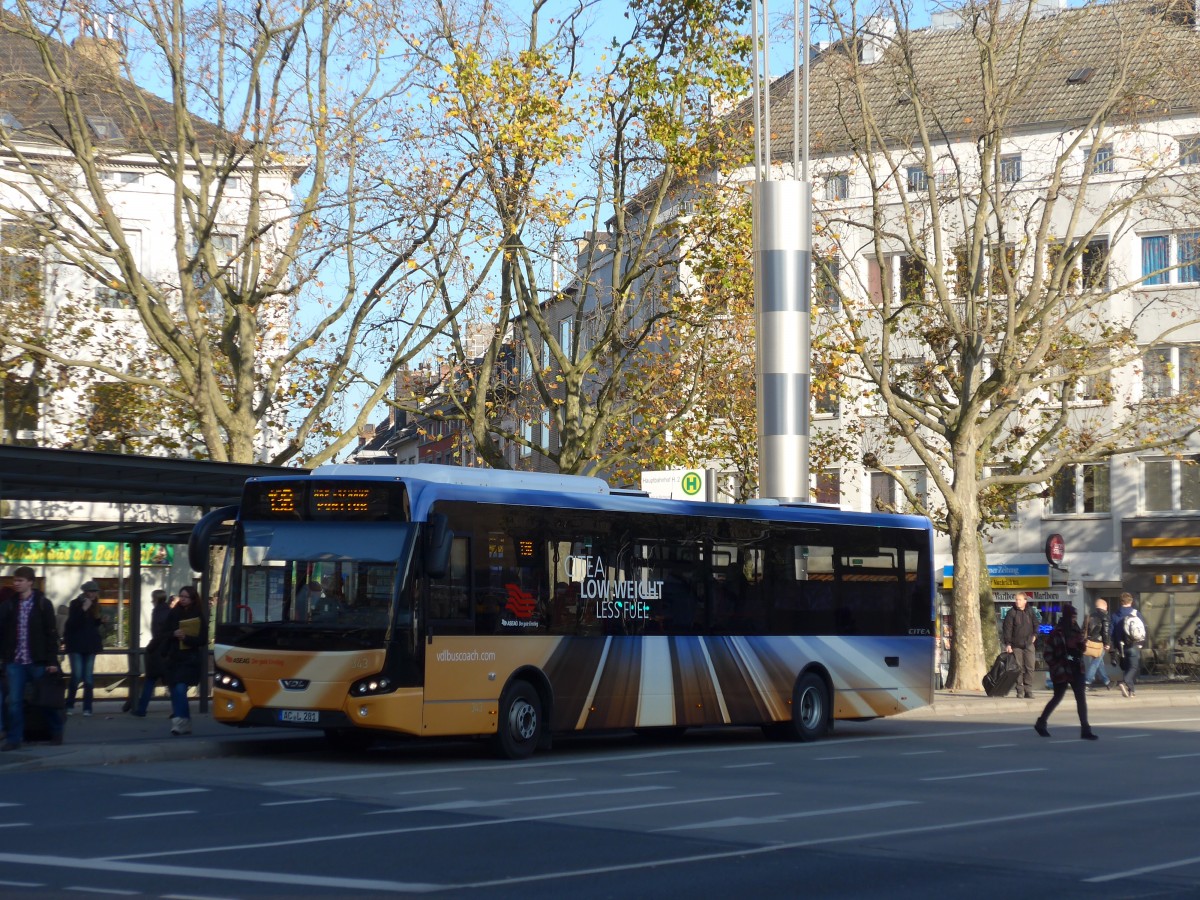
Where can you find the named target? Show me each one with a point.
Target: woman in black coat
(154, 651)
(187, 639)
(83, 639)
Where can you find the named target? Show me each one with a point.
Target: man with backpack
(1128, 634)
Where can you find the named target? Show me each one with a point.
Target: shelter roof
(63, 478)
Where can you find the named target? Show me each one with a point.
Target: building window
(1003, 497)
(827, 294)
(1102, 159)
(122, 178)
(825, 397)
(883, 492)
(9, 122)
(1189, 150)
(837, 187)
(104, 128)
(1080, 489)
(1093, 263)
(829, 486)
(1188, 255)
(21, 271)
(1002, 265)
(1168, 371)
(917, 481)
(912, 280)
(1010, 168)
(1170, 485)
(111, 295)
(917, 179)
(115, 416)
(21, 408)
(566, 328)
(228, 265)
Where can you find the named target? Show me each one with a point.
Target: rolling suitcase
(1002, 676)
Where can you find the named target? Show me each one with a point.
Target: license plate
(303, 716)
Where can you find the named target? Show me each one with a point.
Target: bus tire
(812, 711)
(519, 728)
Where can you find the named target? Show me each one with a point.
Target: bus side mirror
(438, 540)
(202, 534)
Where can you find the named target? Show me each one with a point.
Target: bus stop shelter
(65, 479)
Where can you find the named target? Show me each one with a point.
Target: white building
(1097, 210)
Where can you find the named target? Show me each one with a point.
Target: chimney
(100, 44)
(366, 434)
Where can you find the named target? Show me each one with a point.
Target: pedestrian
(1098, 640)
(187, 639)
(1064, 655)
(154, 668)
(1127, 642)
(83, 639)
(29, 648)
(1020, 633)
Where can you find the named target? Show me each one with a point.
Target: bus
(442, 601)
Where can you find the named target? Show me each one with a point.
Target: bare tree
(297, 200)
(1009, 163)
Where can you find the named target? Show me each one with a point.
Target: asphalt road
(936, 806)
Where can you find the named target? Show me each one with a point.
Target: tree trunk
(987, 610)
(969, 661)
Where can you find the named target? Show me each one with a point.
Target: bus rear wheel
(519, 729)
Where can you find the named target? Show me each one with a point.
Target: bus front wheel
(812, 710)
(812, 713)
(519, 729)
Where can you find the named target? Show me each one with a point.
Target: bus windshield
(327, 576)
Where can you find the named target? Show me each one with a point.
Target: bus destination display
(324, 500)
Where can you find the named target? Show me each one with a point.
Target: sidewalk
(111, 737)
(966, 703)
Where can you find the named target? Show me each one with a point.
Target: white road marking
(14, 824)
(1142, 870)
(444, 790)
(833, 758)
(1179, 755)
(95, 890)
(154, 815)
(824, 841)
(921, 752)
(981, 774)
(193, 897)
(994, 746)
(600, 758)
(473, 823)
(22, 884)
(747, 765)
(245, 875)
(1126, 737)
(456, 805)
(299, 802)
(739, 821)
(650, 774)
(546, 781)
(193, 790)
(6, 805)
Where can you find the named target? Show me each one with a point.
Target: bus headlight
(367, 687)
(228, 682)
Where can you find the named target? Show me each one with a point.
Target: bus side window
(449, 597)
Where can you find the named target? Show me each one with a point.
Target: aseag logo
(520, 603)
